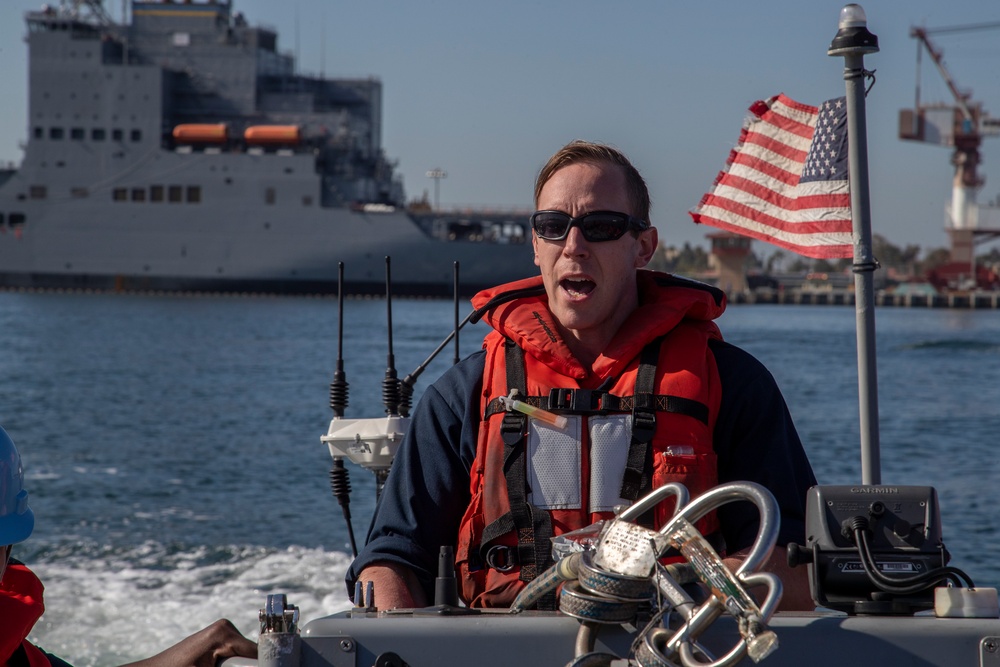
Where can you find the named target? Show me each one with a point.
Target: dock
(956, 300)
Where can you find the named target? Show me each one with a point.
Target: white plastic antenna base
(369, 443)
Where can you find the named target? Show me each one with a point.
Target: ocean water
(172, 444)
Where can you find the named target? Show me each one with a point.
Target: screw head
(346, 645)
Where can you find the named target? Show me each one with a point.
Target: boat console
(620, 605)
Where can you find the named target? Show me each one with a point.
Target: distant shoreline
(957, 300)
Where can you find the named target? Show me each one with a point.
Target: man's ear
(648, 241)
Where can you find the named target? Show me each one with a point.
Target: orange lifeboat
(201, 133)
(272, 135)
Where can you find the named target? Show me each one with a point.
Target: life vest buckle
(501, 558)
(573, 400)
(513, 428)
(643, 418)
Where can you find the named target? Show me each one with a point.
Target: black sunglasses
(596, 226)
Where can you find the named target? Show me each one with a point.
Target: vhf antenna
(340, 481)
(407, 383)
(390, 385)
(339, 387)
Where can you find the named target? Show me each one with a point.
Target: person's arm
(755, 440)
(395, 586)
(204, 648)
(426, 492)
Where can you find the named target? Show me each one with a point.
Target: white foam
(121, 608)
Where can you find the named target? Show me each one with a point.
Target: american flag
(786, 181)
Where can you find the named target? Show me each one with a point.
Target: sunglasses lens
(596, 227)
(603, 226)
(550, 225)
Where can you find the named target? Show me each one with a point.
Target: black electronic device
(873, 549)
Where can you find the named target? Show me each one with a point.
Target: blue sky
(487, 91)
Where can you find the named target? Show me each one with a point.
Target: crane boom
(961, 99)
(960, 126)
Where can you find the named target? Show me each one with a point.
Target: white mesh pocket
(554, 464)
(610, 437)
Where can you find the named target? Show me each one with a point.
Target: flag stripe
(786, 180)
(776, 168)
(769, 142)
(809, 249)
(730, 185)
(728, 209)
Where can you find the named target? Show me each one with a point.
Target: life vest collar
(519, 310)
(20, 606)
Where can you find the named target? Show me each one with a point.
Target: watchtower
(730, 252)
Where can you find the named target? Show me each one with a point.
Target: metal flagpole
(852, 42)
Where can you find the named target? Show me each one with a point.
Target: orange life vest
(643, 417)
(20, 607)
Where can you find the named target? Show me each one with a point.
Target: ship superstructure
(181, 151)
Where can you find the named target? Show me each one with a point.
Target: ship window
(119, 194)
(98, 134)
(39, 133)
(55, 133)
(37, 192)
(175, 193)
(16, 219)
(79, 193)
(194, 194)
(1, 219)
(156, 193)
(269, 196)
(138, 194)
(116, 135)
(136, 135)
(77, 134)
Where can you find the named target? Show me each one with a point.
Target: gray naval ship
(181, 151)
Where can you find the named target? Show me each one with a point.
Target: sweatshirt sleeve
(756, 441)
(427, 490)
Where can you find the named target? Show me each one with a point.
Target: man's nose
(575, 244)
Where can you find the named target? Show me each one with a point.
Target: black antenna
(340, 479)
(411, 379)
(406, 385)
(340, 484)
(390, 385)
(339, 387)
(457, 357)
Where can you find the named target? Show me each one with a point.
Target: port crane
(961, 125)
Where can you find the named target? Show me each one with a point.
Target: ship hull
(232, 240)
(243, 251)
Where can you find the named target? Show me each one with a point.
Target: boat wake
(106, 605)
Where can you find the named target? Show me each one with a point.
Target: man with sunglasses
(636, 389)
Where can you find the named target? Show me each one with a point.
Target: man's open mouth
(581, 287)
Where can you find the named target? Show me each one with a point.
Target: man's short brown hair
(587, 151)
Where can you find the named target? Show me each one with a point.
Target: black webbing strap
(636, 479)
(592, 402)
(533, 526)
